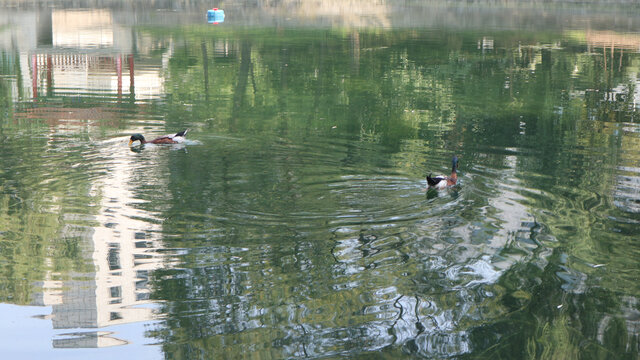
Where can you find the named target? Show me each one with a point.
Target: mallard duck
(167, 139)
(441, 181)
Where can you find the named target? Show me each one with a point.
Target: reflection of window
(141, 284)
(114, 257)
(116, 294)
(115, 316)
(143, 275)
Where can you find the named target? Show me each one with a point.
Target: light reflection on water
(295, 223)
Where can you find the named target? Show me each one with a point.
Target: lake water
(294, 222)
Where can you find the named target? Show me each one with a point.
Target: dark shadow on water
(453, 192)
(432, 193)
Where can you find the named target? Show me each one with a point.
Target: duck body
(166, 139)
(442, 181)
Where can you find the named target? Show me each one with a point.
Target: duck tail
(431, 181)
(182, 133)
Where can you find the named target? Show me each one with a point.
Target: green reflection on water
(297, 225)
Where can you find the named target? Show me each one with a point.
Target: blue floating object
(215, 16)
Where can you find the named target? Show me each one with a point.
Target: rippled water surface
(294, 222)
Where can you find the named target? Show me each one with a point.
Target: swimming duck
(167, 139)
(441, 181)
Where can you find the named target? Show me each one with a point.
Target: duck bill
(130, 142)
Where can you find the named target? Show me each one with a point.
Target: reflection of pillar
(119, 72)
(49, 76)
(34, 75)
(620, 65)
(131, 76)
(205, 64)
(612, 55)
(355, 52)
(546, 59)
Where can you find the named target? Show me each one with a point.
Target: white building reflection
(84, 53)
(123, 250)
(626, 194)
(80, 52)
(614, 46)
(84, 28)
(107, 75)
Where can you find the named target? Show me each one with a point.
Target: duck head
(136, 137)
(454, 164)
